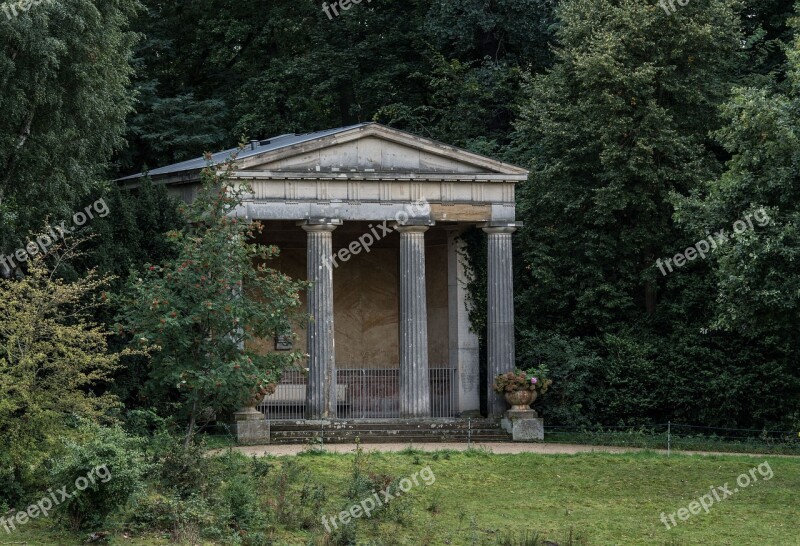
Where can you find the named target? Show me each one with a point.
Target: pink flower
(534, 380)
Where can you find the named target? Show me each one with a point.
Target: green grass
(609, 499)
(603, 499)
(651, 440)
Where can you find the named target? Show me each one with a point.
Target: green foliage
(755, 281)
(616, 125)
(64, 97)
(135, 232)
(573, 370)
(618, 130)
(54, 364)
(111, 463)
(198, 311)
(447, 70)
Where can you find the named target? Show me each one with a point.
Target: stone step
(387, 431)
(383, 425)
(381, 433)
(396, 439)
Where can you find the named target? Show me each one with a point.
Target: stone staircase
(373, 431)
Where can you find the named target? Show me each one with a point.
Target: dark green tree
(617, 126)
(64, 76)
(755, 280)
(198, 310)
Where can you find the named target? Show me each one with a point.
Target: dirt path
(494, 447)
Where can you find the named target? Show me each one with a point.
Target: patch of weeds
(480, 451)
(411, 450)
(261, 466)
(531, 538)
(365, 483)
(442, 454)
(297, 500)
(435, 504)
(314, 446)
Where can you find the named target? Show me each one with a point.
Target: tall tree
(617, 126)
(64, 75)
(755, 277)
(199, 310)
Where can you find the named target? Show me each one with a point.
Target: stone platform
(523, 425)
(377, 431)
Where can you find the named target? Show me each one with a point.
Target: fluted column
(500, 318)
(415, 391)
(321, 387)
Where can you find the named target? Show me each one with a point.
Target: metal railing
(361, 394)
(289, 399)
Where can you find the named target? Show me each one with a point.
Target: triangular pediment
(374, 148)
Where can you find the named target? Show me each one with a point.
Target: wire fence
(665, 436)
(680, 437)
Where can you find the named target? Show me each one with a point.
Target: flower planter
(520, 399)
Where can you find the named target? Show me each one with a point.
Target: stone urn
(250, 425)
(520, 399)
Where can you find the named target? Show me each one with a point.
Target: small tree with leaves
(197, 312)
(54, 364)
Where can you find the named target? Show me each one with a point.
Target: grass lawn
(605, 499)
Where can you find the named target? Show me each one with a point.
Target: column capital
(505, 227)
(320, 224)
(411, 228)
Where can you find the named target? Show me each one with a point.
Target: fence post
(669, 436)
(469, 433)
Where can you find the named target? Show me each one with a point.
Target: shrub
(105, 469)
(185, 470)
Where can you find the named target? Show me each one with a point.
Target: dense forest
(646, 130)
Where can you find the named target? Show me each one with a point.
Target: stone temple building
(372, 217)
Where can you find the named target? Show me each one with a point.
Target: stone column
(500, 317)
(321, 387)
(415, 389)
(464, 345)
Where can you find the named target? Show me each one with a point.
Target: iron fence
(361, 394)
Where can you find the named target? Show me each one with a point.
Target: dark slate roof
(267, 145)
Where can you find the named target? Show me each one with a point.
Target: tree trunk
(190, 428)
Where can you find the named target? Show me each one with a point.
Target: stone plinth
(523, 425)
(250, 427)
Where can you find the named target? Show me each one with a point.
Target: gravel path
(494, 447)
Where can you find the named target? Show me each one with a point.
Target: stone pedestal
(523, 425)
(250, 426)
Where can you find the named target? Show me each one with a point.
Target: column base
(250, 427)
(523, 425)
